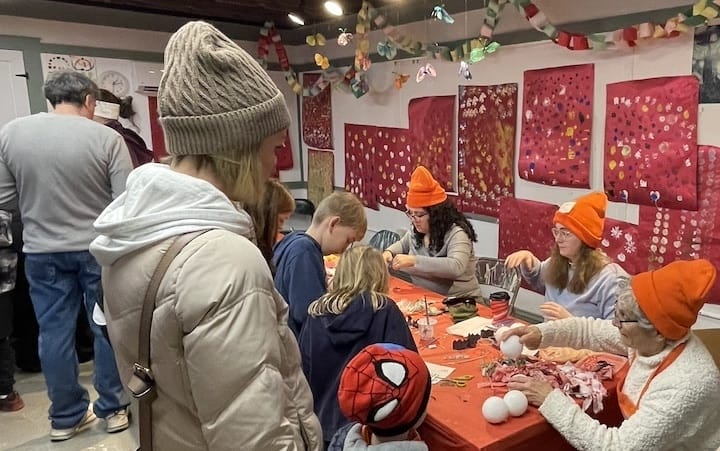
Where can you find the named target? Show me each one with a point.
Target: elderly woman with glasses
(669, 398)
(438, 252)
(579, 279)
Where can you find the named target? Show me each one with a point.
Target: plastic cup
(426, 326)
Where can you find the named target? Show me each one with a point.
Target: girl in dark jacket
(355, 313)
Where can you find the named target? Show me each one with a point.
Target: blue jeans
(59, 282)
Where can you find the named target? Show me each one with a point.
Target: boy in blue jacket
(300, 270)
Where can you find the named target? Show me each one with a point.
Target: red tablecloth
(455, 421)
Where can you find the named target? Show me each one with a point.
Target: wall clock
(115, 82)
(59, 63)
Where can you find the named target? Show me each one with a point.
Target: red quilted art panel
(651, 142)
(283, 155)
(556, 126)
(394, 166)
(621, 242)
(525, 224)
(360, 178)
(156, 132)
(670, 235)
(317, 116)
(486, 145)
(395, 152)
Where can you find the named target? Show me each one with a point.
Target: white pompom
(511, 348)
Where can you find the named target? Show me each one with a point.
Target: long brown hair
(276, 200)
(589, 263)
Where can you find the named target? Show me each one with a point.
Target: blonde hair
(243, 180)
(589, 263)
(347, 207)
(361, 269)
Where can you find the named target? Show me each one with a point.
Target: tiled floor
(27, 429)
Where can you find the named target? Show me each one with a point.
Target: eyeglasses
(561, 233)
(412, 215)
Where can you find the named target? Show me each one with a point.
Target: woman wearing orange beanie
(579, 279)
(670, 396)
(438, 251)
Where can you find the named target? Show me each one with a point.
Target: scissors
(459, 381)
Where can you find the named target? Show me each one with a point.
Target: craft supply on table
(438, 372)
(426, 326)
(458, 381)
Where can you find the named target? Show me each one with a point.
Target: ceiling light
(297, 19)
(334, 8)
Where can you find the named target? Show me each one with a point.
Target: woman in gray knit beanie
(226, 366)
(220, 110)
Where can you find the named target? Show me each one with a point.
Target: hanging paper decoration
(386, 49)
(426, 70)
(706, 56)
(269, 35)
(492, 18)
(556, 126)
(360, 178)
(465, 70)
(486, 145)
(479, 53)
(317, 116)
(400, 80)
(701, 12)
(316, 39)
(344, 38)
(321, 175)
(651, 142)
(525, 224)
(439, 13)
(322, 61)
(669, 235)
(621, 242)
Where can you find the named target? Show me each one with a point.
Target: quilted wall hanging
(517, 217)
(486, 143)
(669, 235)
(651, 142)
(385, 157)
(621, 242)
(321, 175)
(556, 126)
(317, 115)
(360, 178)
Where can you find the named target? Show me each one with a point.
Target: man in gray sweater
(64, 169)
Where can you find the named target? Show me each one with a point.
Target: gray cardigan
(450, 271)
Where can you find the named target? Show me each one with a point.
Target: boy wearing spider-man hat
(385, 390)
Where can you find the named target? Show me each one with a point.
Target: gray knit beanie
(214, 98)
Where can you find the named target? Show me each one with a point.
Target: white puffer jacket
(227, 367)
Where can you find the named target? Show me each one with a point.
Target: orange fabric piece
(627, 407)
(455, 421)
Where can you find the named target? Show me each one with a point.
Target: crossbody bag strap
(142, 382)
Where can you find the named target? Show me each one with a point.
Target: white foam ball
(516, 401)
(511, 348)
(495, 410)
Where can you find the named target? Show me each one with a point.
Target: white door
(13, 88)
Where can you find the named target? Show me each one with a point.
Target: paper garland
(556, 126)
(651, 142)
(486, 146)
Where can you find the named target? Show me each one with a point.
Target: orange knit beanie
(424, 190)
(585, 217)
(672, 296)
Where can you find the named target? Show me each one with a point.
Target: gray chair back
(383, 239)
(493, 275)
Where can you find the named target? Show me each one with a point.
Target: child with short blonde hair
(300, 270)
